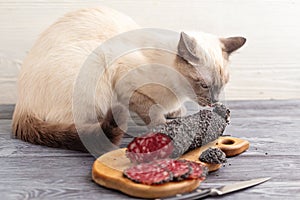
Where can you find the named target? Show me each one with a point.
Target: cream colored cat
(44, 111)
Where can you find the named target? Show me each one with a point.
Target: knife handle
(192, 196)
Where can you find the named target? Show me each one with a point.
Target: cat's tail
(31, 129)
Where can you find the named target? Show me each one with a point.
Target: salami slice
(180, 169)
(150, 147)
(149, 174)
(165, 170)
(199, 171)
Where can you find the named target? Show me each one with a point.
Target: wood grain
(6, 111)
(272, 127)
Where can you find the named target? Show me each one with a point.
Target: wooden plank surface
(6, 111)
(272, 127)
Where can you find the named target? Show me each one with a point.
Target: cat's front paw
(114, 125)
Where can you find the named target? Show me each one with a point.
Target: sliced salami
(149, 174)
(150, 147)
(180, 169)
(165, 170)
(199, 171)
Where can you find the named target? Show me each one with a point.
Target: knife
(220, 191)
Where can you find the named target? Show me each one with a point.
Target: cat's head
(204, 60)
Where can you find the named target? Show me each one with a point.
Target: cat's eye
(203, 85)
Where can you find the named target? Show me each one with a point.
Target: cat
(43, 113)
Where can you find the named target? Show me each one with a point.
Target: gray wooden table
(272, 127)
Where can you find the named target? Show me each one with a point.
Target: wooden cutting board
(108, 170)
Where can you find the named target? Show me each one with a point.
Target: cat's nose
(214, 95)
(214, 98)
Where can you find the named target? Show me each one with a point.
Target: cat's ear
(187, 48)
(232, 44)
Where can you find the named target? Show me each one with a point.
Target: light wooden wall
(267, 67)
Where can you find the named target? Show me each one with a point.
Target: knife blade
(221, 190)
